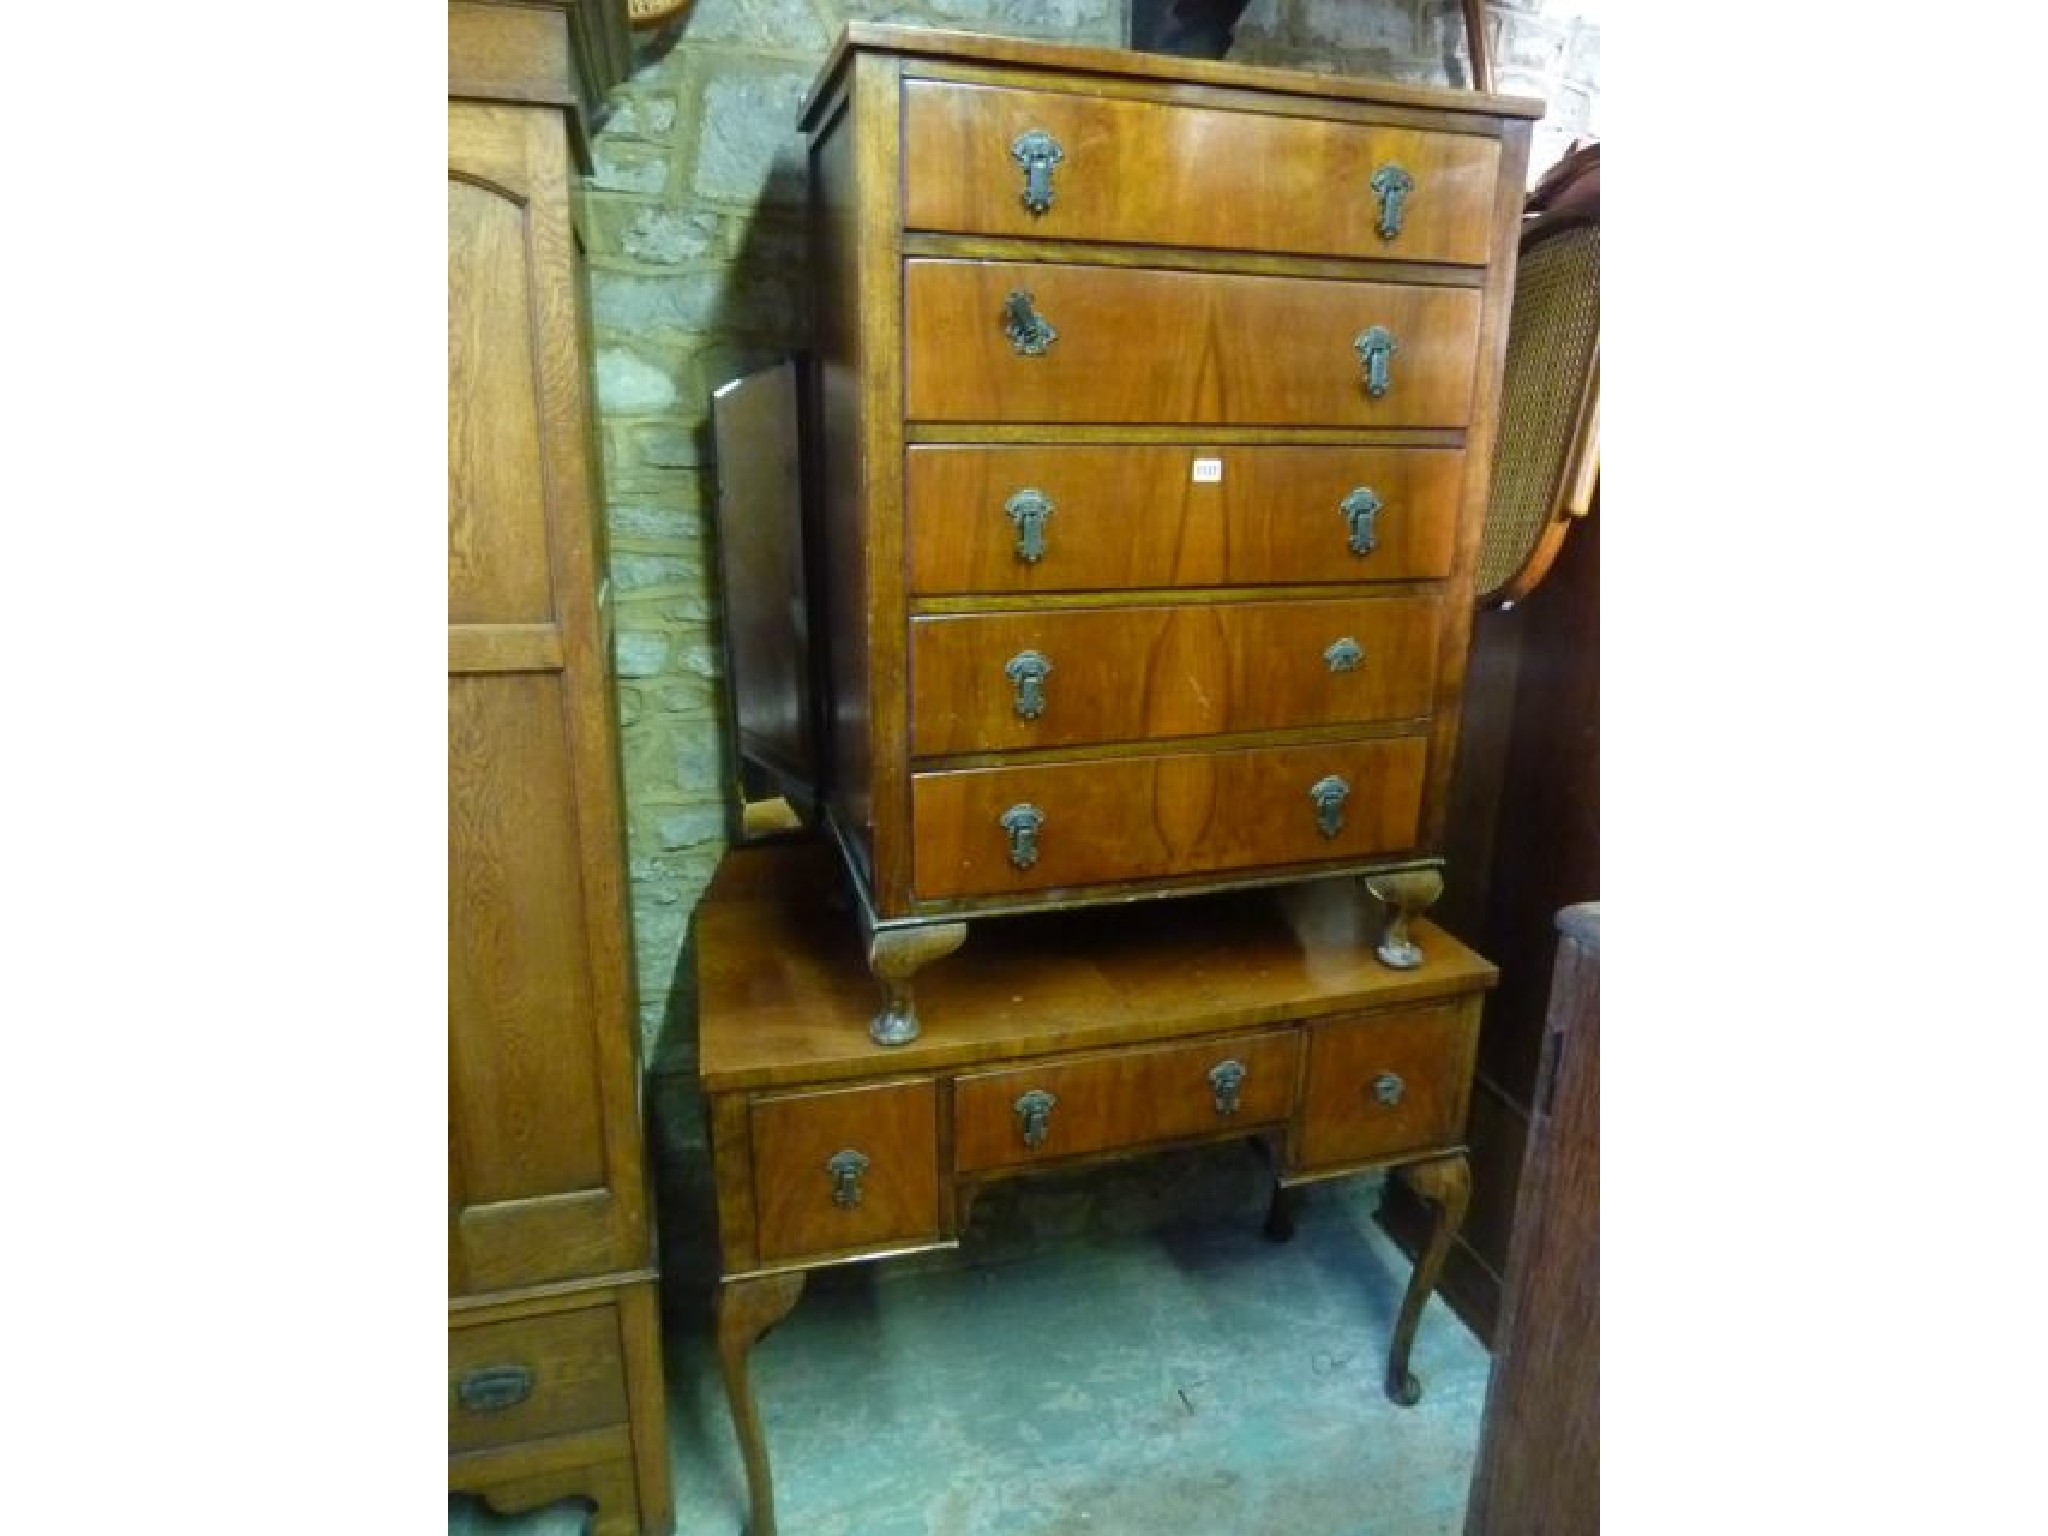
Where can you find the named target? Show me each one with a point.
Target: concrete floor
(1117, 1352)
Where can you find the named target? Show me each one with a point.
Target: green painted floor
(1118, 1352)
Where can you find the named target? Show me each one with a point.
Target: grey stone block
(629, 385)
(633, 572)
(625, 167)
(664, 236)
(785, 26)
(668, 448)
(654, 522)
(693, 827)
(639, 653)
(748, 147)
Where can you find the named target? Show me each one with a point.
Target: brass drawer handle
(494, 1388)
(1360, 508)
(1391, 185)
(1387, 1089)
(1028, 670)
(1038, 152)
(1029, 509)
(1375, 347)
(1034, 1116)
(846, 1168)
(1328, 795)
(1226, 1077)
(1029, 331)
(1022, 823)
(1343, 655)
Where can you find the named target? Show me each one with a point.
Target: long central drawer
(1043, 826)
(1125, 344)
(992, 682)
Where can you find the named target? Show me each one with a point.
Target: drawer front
(1010, 681)
(1158, 174)
(534, 1377)
(1045, 518)
(1131, 1099)
(854, 1168)
(1384, 1084)
(1145, 818)
(1136, 345)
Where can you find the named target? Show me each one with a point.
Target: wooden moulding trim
(1171, 434)
(533, 1300)
(1291, 1177)
(891, 1250)
(941, 244)
(1202, 884)
(973, 48)
(469, 1470)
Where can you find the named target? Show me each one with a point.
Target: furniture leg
(1406, 895)
(895, 956)
(1283, 1211)
(1446, 1184)
(747, 1309)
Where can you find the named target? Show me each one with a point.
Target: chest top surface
(784, 993)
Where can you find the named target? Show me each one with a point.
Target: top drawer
(1159, 174)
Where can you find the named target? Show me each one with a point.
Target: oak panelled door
(543, 1118)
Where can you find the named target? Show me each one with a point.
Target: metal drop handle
(1328, 795)
(1028, 509)
(1343, 655)
(1022, 823)
(494, 1388)
(1227, 1077)
(1361, 508)
(1375, 346)
(1038, 152)
(1028, 670)
(1391, 185)
(1034, 1116)
(1030, 332)
(846, 1169)
(1387, 1089)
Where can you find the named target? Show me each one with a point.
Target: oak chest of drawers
(1154, 409)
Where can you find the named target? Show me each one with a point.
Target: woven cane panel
(1552, 341)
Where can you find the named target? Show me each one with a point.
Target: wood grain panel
(577, 1378)
(893, 1125)
(1429, 1050)
(1148, 173)
(523, 1095)
(497, 507)
(1129, 515)
(1145, 817)
(1146, 346)
(1166, 671)
(1130, 1099)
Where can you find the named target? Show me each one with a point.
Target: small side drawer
(534, 1377)
(1130, 1099)
(845, 1169)
(1382, 1084)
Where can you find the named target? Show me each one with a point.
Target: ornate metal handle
(1226, 1077)
(1328, 795)
(1344, 655)
(1029, 509)
(1391, 185)
(1028, 670)
(1038, 152)
(1360, 507)
(1375, 347)
(1029, 332)
(1022, 823)
(846, 1168)
(1034, 1116)
(1387, 1089)
(494, 1388)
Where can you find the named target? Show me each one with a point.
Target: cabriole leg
(895, 956)
(1446, 1184)
(746, 1310)
(1406, 894)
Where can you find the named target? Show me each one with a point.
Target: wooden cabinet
(1153, 401)
(554, 1345)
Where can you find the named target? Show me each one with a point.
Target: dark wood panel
(1159, 672)
(1137, 516)
(1193, 347)
(1145, 173)
(1179, 814)
(1387, 1084)
(893, 1126)
(1130, 1099)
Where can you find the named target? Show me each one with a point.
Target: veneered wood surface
(1175, 814)
(1538, 1466)
(1429, 1049)
(1134, 515)
(1146, 173)
(1130, 1098)
(1137, 345)
(578, 1378)
(785, 996)
(894, 1125)
(1159, 672)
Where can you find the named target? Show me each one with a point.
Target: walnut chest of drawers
(1154, 407)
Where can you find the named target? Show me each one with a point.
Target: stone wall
(694, 224)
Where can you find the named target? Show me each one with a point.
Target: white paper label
(1208, 471)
